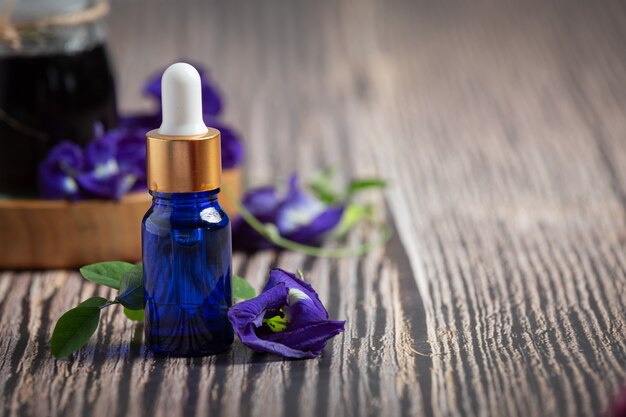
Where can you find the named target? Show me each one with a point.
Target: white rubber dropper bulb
(181, 98)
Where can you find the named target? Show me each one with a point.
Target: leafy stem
(270, 232)
(76, 326)
(109, 303)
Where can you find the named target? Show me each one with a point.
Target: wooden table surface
(502, 129)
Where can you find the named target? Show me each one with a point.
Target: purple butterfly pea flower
(305, 219)
(115, 164)
(58, 172)
(262, 203)
(101, 177)
(308, 327)
(299, 217)
(232, 148)
(211, 100)
(131, 154)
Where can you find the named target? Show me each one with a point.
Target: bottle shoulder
(168, 216)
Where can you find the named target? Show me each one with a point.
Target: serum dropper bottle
(185, 233)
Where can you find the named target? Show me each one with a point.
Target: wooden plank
(502, 292)
(114, 375)
(504, 203)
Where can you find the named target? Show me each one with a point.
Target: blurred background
(317, 77)
(484, 90)
(491, 104)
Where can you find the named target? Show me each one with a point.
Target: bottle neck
(191, 199)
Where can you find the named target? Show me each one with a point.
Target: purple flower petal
(113, 186)
(305, 305)
(100, 155)
(298, 200)
(308, 329)
(141, 121)
(248, 315)
(131, 153)
(116, 164)
(232, 148)
(152, 87)
(315, 232)
(298, 209)
(58, 172)
(310, 339)
(262, 204)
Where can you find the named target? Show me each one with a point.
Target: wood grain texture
(39, 234)
(501, 126)
(52, 233)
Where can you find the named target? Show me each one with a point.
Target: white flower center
(69, 185)
(106, 169)
(296, 295)
(301, 215)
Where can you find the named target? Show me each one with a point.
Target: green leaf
(322, 187)
(76, 326)
(94, 302)
(352, 215)
(356, 186)
(241, 288)
(131, 289)
(136, 315)
(106, 273)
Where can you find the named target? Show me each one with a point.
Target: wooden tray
(61, 234)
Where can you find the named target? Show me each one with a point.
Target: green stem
(271, 234)
(109, 303)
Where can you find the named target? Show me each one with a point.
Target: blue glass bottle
(185, 234)
(187, 268)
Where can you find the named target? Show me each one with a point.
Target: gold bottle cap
(184, 164)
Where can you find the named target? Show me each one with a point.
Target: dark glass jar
(58, 85)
